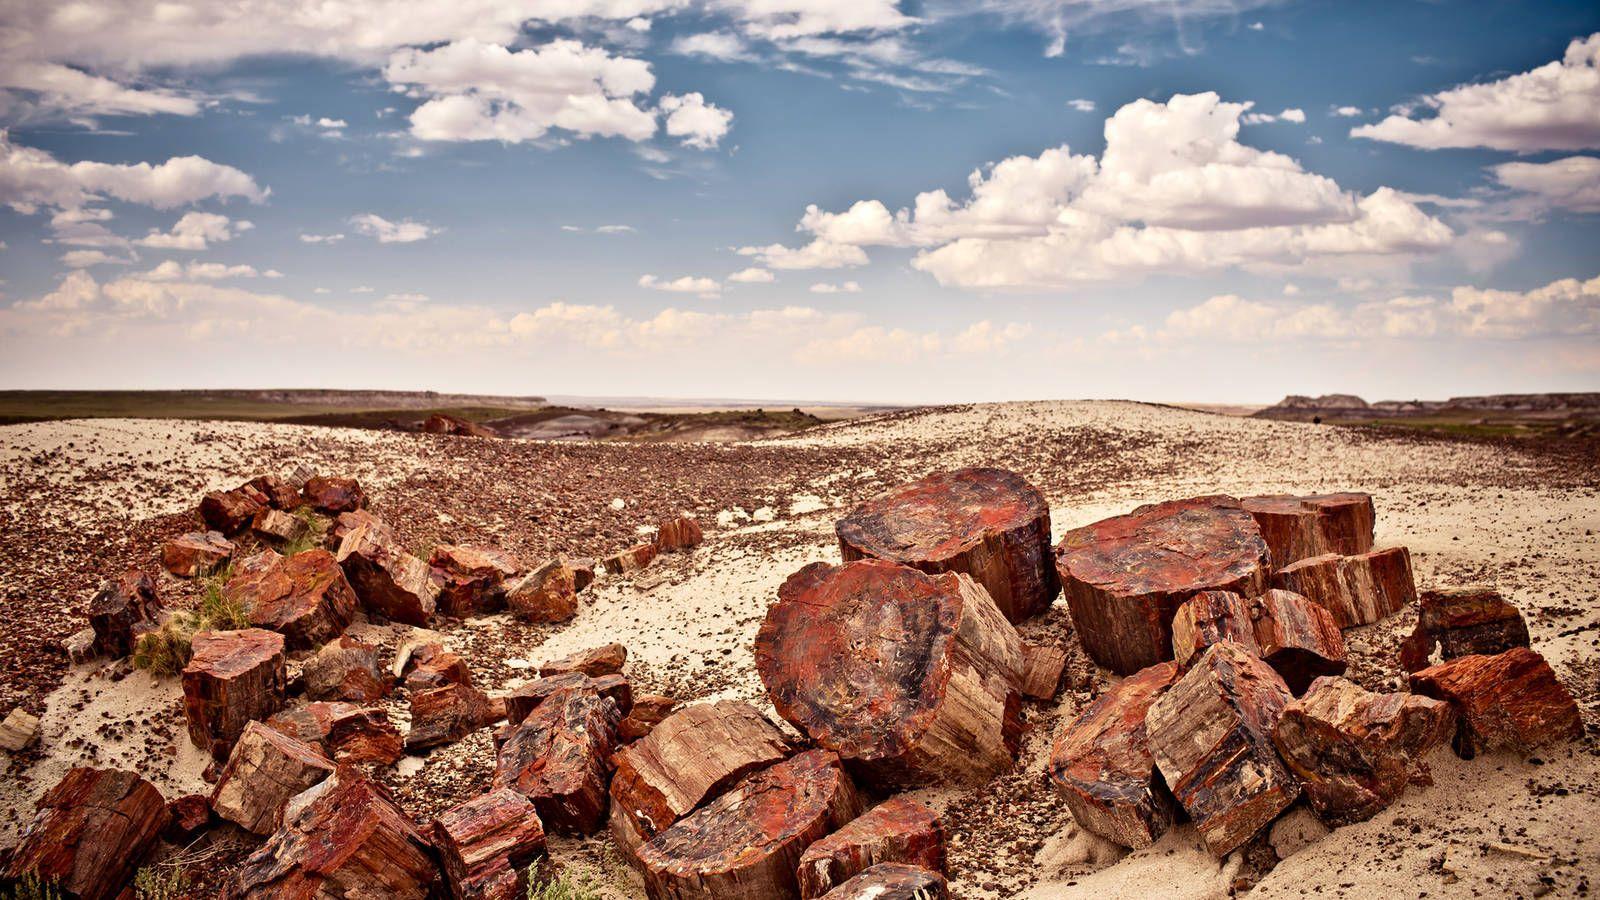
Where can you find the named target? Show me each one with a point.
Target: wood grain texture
(486, 845)
(266, 769)
(560, 758)
(1358, 590)
(304, 597)
(897, 830)
(90, 833)
(1509, 701)
(232, 679)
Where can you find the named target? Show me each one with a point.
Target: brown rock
(305, 597)
(1102, 763)
(582, 572)
(1211, 736)
(1358, 590)
(389, 581)
(988, 523)
(747, 843)
(1463, 623)
(187, 816)
(333, 495)
(619, 689)
(233, 678)
(524, 699)
(19, 731)
(471, 579)
(346, 669)
(1510, 701)
(1125, 577)
(79, 646)
(90, 833)
(231, 512)
(547, 594)
(559, 757)
(630, 560)
(896, 831)
(892, 881)
(365, 736)
(437, 670)
(1042, 665)
(265, 770)
(278, 527)
(1353, 750)
(648, 711)
(1298, 638)
(347, 522)
(279, 493)
(121, 611)
(487, 844)
(1297, 528)
(310, 722)
(196, 554)
(1211, 617)
(910, 677)
(594, 662)
(681, 533)
(440, 423)
(445, 715)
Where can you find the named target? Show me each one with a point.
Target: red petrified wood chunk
(896, 831)
(333, 495)
(649, 710)
(988, 523)
(1298, 638)
(90, 833)
(892, 881)
(522, 701)
(345, 523)
(582, 572)
(630, 560)
(547, 594)
(1042, 665)
(487, 844)
(559, 757)
(196, 553)
(231, 512)
(278, 527)
(1125, 577)
(747, 843)
(1353, 750)
(446, 714)
(233, 678)
(682, 533)
(1211, 736)
(1103, 767)
(1462, 623)
(1358, 590)
(279, 492)
(437, 669)
(364, 736)
(310, 722)
(187, 816)
(1211, 617)
(1296, 528)
(344, 838)
(124, 608)
(389, 581)
(266, 769)
(912, 677)
(1511, 701)
(594, 662)
(346, 669)
(692, 756)
(471, 579)
(305, 596)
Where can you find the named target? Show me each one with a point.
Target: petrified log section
(1462, 623)
(1298, 638)
(19, 730)
(693, 755)
(90, 833)
(988, 523)
(1511, 701)
(1042, 665)
(437, 667)
(674, 535)
(649, 710)
(1297, 528)
(1358, 590)
(1102, 763)
(305, 597)
(310, 722)
(1211, 736)
(233, 678)
(445, 715)
(345, 523)
(266, 769)
(487, 843)
(1125, 577)
(523, 700)
(1354, 751)
(1211, 617)
(364, 736)
(333, 495)
(630, 560)
(346, 669)
(279, 493)
(560, 758)
(231, 512)
(910, 676)
(896, 831)
(278, 527)
(547, 594)
(594, 662)
(892, 881)
(747, 843)
(471, 578)
(122, 610)
(350, 841)
(196, 553)
(389, 581)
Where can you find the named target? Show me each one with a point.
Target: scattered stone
(471, 579)
(333, 495)
(187, 816)
(559, 757)
(346, 669)
(892, 881)
(649, 710)
(1042, 665)
(1297, 528)
(582, 572)
(594, 662)
(89, 833)
(233, 678)
(1298, 638)
(437, 668)
(80, 646)
(988, 523)
(1462, 623)
(265, 770)
(121, 611)
(196, 553)
(681, 533)
(487, 845)
(389, 581)
(446, 714)
(19, 731)
(1510, 701)
(279, 494)
(364, 736)
(911, 677)
(305, 596)
(1102, 763)
(231, 512)
(1358, 590)
(1125, 577)
(278, 527)
(310, 722)
(895, 831)
(630, 560)
(547, 594)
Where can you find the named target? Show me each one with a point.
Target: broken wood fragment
(232, 679)
(1510, 701)
(487, 844)
(560, 758)
(895, 831)
(90, 833)
(265, 770)
(1358, 590)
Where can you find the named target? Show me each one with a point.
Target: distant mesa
(1350, 408)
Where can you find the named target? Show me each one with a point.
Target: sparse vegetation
(564, 885)
(31, 887)
(165, 651)
(217, 610)
(161, 882)
(316, 529)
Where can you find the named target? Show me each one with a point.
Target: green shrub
(160, 883)
(316, 529)
(31, 887)
(563, 886)
(166, 650)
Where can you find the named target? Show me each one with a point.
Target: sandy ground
(84, 498)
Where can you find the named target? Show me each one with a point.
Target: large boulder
(90, 833)
(1298, 638)
(345, 669)
(1510, 701)
(231, 512)
(305, 597)
(549, 593)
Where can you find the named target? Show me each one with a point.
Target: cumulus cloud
(321, 238)
(172, 270)
(752, 275)
(1081, 105)
(32, 178)
(1571, 184)
(1297, 116)
(1551, 107)
(819, 254)
(1348, 112)
(36, 88)
(384, 231)
(695, 122)
(83, 259)
(687, 284)
(824, 287)
(194, 231)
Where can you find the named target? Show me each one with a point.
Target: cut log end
(896, 831)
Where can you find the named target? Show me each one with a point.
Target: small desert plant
(31, 887)
(217, 610)
(564, 886)
(165, 651)
(160, 883)
(316, 528)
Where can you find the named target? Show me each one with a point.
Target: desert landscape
(85, 501)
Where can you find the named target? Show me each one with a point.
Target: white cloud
(697, 123)
(1297, 116)
(788, 19)
(1551, 107)
(687, 284)
(1348, 112)
(321, 238)
(752, 275)
(194, 231)
(84, 227)
(83, 259)
(58, 90)
(1059, 19)
(824, 287)
(819, 254)
(386, 232)
(31, 178)
(171, 270)
(723, 46)
(1572, 183)
(334, 124)
(1256, 26)
(1081, 105)
(615, 229)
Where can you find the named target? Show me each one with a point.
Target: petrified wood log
(1298, 638)
(279, 493)
(471, 579)
(630, 560)
(187, 816)
(440, 423)
(333, 495)
(346, 669)
(1126, 576)
(1102, 763)
(90, 833)
(911, 677)
(310, 722)
(895, 831)
(487, 844)
(343, 838)
(1297, 528)
(124, 608)
(892, 881)
(1462, 622)
(619, 689)
(547, 594)
(681, 533)
(692, 756)
(649, 710)
(389, 581)
(445, 715)
(1211, 617)
(231, 512)
(1358, 590)
(278, 527)
(1510, 701)
(305, 597)
(196, 553)
(265, 770)
(1353, 750)
(1211, 736)
(346, 522)
(747, 843)
(233, 678)
(19, 731)
(364, 736)
(1042, 665)
(524, 699)
(582, 572)
(988, 523)
(594, 662)
(437, 669)
(560, 758)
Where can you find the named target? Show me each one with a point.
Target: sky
(896, 201)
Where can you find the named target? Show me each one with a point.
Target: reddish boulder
(278, 492)
(1462, 623)
(487, 845)
(333, 495)
(389, 581)
(681, 533)
(196, 554)
(1297, 528)
(1298, 638)
(278, 527)
(232, 679)
(1510, 701)
(347, 522)
(305, 597)
(90, 833)
(892, 881)
(445, 715)
(471, 579)
(346, 669)
(265, 770)
(649, 710)
(121, 611)
(594, 662)
(549, 593)
(1358, 590)
(896, 831)
(231, 512)
(630, 560)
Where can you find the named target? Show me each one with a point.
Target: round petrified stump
(910, 677)
(1126, 576)
(989, 523)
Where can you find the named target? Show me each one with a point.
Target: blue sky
(803, 199)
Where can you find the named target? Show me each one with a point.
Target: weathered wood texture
(187, 816)
(1297, 528)
(333, 495)
(364, 736)
(560, 758)
(310, 722)
(593, 662)
(486, 845)
(304, 597)
(19, 731)
(1102, 763)
(893, 881)
(278, 527)
(1211, 736)
(990, 524)
(437, 667)
(1510, 701)
(648, 711)
(549, 593)
(446, 714)
(895, 831)
(1042, 667)
(90, 832)
(1298, 638)
(233, 678)
(389, 581)
(1126, 576)
(279, 493)
(746, 844)
(196, 553)
(675, 535)
(346, 669)
(471, 579)
(912, 678)
(1354, 751)
(1462, 622)
(1211, 617)
(1358, 590)
(630, 560)
(124, 608)
(265, 770)
(231, 512)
